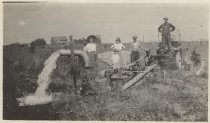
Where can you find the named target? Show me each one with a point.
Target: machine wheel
(178, 60)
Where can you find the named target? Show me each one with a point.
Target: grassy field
(179, 96)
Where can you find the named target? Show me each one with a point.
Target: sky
(25, 22)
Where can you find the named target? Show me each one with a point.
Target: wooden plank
(138, 77)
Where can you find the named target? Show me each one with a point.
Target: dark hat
(91, 36)
(134, 37)
(118, 39)
(165, 18)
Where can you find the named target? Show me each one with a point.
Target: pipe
(76, 52)
(40, 96)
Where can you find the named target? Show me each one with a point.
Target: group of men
(165, 29)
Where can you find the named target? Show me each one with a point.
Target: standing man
(75, 71)
(165, 29)
(135, 49)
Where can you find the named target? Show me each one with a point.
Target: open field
(179, 96)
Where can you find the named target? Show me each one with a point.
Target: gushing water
(41, 96)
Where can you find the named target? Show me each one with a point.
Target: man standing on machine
(165, 30)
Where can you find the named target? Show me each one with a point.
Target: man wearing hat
(165, 30)
(135, 47)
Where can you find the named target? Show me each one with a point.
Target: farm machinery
(166, 58)
(163, 59)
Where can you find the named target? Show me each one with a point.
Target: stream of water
(44, 79)
(40, 96)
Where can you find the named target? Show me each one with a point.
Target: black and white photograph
(77, 61)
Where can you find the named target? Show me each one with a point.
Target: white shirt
(116, 61)
(118, 46)
(90, 47)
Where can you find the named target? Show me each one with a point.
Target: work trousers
(166, 40)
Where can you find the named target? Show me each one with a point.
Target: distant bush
(80, 41)
(83, 40)
(37, 42)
